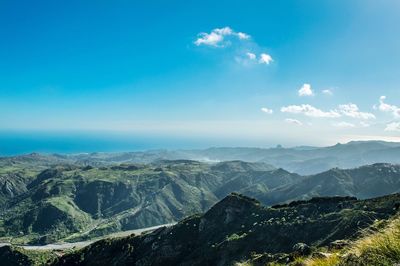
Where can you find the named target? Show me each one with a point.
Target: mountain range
(47, 199)
(239, 229)
(303, 160)
(215, 208)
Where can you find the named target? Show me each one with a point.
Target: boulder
(320, 255)
(302, 249)
(339, 244)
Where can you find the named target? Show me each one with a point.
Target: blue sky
(245, 72)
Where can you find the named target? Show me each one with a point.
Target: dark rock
(302, 249)
(320, 255)
(339, 244)
(267, 259)
(87, 168)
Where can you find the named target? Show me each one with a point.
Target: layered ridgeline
(73, 202)
(303, 160)
(362, 182)
(76, 202)
(239, 228)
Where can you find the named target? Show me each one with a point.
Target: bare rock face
(11, 185)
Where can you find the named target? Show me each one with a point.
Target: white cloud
(293, 121)
(265, 59)
(222, 37)
(328, 92)
(267, 110)
(310, 111)
(243, 36)
(384, 107)
(353, 111)
(306, 90)
(343, 125)
(394, 126)
(212, 39)
(217, 36)
(364, 124)
(223, 31)
(251, 56)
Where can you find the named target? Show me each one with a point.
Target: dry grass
(380, 248)
(332, 260)
(375, 248)
(245, 263)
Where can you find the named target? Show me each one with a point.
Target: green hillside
(363, 182)
(73, 202)
(239, 228)
(48, 198)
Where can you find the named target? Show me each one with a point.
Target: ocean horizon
(17, 143)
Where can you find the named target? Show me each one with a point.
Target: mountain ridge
(305, 161)
(90, 201)
(238, 226)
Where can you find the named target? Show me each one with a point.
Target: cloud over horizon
(394, 126)
(387, 108)
(343, 124)
(352, 110)
(267, 110)
(309, 110)
(293, 121)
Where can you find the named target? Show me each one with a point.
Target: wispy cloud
(388, 108)
(251, 56)
(364, 124)
(216, 37)
(293, 121)
(394, 126)
(305, 90)
(352, 110)
(343, 124)
(328, 92)
(243, 36)
(267, 110)
(310, 111)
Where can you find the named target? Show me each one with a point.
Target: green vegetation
(363, 182)
(239, 228)
(19, 256)
(71, 202)
(46, 199)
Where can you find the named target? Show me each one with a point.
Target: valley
(63, 208)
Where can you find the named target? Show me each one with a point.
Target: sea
(24, 142)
